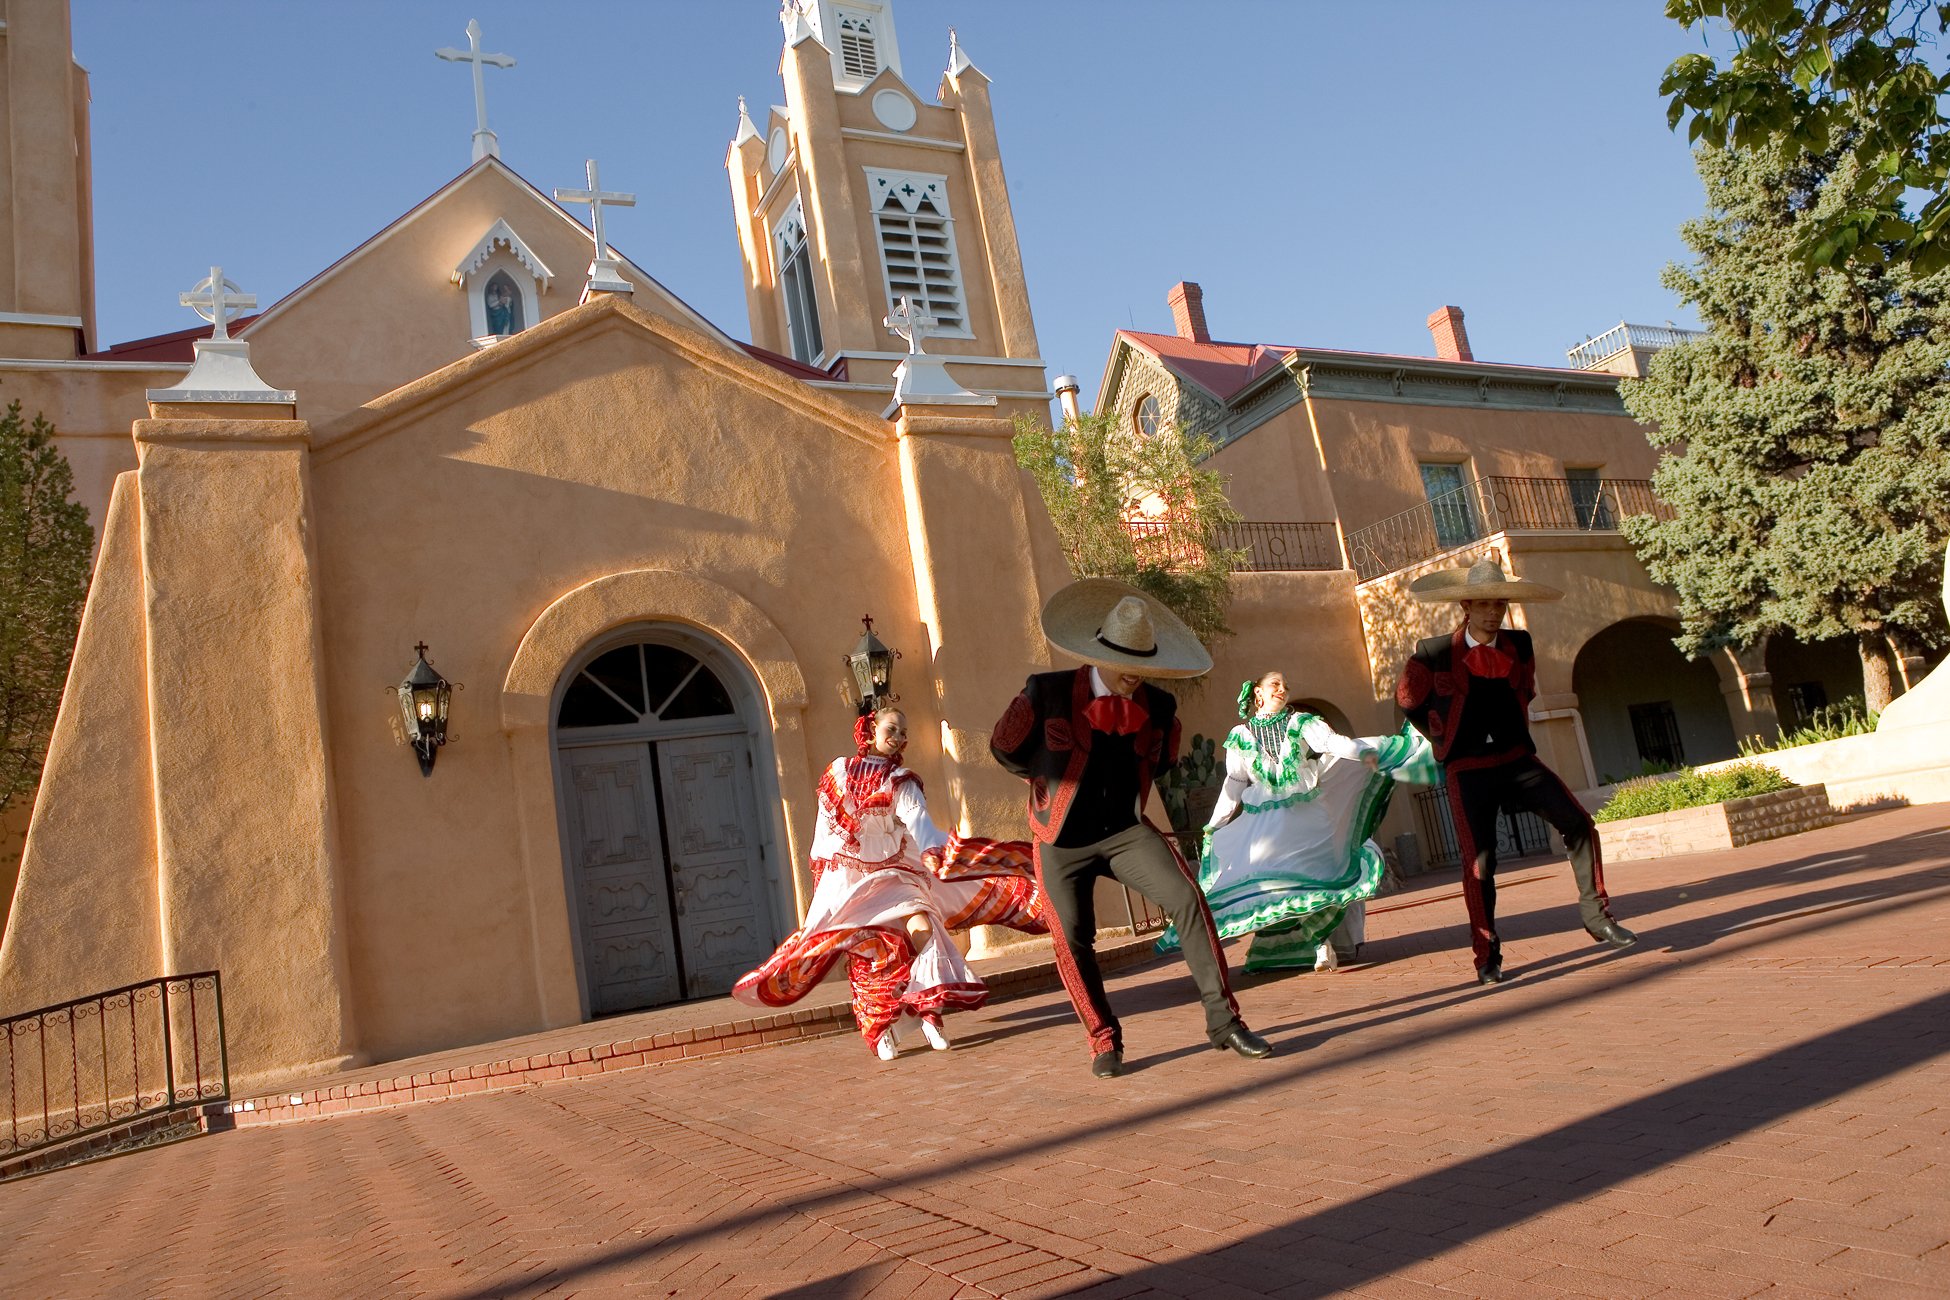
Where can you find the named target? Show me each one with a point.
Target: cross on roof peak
(219, 301)
(486, 145)
(597, 198)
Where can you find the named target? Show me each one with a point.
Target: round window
(1150, 416)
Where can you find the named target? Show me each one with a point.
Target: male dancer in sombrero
(1090, 741)
(1469, 692)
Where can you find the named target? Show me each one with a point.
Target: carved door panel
(622, 889)
(724, 918)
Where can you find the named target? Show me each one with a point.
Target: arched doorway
(668, 858)
(1646, 707)
(1332, 716)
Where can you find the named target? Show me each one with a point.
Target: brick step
(667, 1035)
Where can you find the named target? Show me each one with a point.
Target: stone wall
(1716, 826)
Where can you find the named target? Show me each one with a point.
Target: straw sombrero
(1484, 580)
(1105, 622)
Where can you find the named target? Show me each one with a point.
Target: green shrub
(1691, 788)
(1845, 717)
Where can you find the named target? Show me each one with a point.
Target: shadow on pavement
(1568, 1164)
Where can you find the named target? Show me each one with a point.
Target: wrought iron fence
(1263, 547)
(1283, 548)
(1518, 835)
(1495, 505)
(103, 1061)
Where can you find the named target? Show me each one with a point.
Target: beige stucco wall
(464, 508)
(1373, 448)
(84, 915)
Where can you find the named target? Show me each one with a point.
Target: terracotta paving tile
(1720, 1112)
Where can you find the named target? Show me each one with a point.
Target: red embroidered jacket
(1043, 738)
(1434, 687)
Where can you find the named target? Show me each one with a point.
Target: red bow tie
(1487, 661)
(1117, 715)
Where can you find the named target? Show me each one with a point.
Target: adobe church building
(641, 547)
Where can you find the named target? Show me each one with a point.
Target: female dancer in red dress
(890, 889)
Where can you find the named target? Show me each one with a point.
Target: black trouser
(1521, 785)
(1140, 859)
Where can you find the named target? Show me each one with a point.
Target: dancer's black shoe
(1611, 934)
(1108, 1065)
(1245, 1042)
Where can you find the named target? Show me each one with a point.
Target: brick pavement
(1750, 1103)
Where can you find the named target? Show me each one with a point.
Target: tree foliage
(1097, 477)
(1807, 433)
(1807, 75)
(45, 543)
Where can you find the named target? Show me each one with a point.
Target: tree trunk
(1908, 654)
(1877, 687)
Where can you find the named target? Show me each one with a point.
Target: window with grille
(858, 55)
(1655, 730)
(796, 286)
(917, 245)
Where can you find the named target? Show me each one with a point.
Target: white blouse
(902, 831)
(1241, 780)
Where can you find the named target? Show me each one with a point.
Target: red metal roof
(1223, 369)
(165, 347)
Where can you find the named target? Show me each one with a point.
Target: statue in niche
(503, 303)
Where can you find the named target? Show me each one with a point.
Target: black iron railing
(1518, 835)
(1263, 547)
(1496, 505)
(106, 1060)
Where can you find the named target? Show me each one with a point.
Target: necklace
(1275, 740)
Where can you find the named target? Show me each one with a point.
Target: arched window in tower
(917, 246)
(796, 286)
(859, 52)
(501, 305)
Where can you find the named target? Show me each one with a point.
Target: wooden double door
(667, 864)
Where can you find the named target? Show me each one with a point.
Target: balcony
(1263, 547)
(1594, 354)
(1499, 505)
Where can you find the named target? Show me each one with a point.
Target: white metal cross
(218, 301)
(911, 323)
(485, 144)
(597, 197)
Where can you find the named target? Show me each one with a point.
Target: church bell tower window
(796, 286)
(859, 53)
(917, 246)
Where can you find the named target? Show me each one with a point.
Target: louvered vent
(919, 252)
(857, 53)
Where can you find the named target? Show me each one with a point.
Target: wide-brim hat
(1483, 580)
(1105, 622)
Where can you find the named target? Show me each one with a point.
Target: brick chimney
(1188, 311)
(1451, 341)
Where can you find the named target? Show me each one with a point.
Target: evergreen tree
(1139, 510)
(45, 543)
(1806, 435)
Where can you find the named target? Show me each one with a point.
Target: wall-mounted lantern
(423, 699)
(872, 668)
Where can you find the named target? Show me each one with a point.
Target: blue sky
(1329, 172)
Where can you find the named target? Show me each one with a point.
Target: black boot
(1611, 934)
(1243, 1041)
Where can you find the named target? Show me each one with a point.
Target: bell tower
(857, 193)
(47, 273)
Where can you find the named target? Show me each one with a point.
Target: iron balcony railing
(106, 1060)
(1498, 505)
(1263, 547)
(1593, 353)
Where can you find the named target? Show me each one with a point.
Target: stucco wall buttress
(84, 917)
(969, 540)
(246, 839)
(527, 700)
